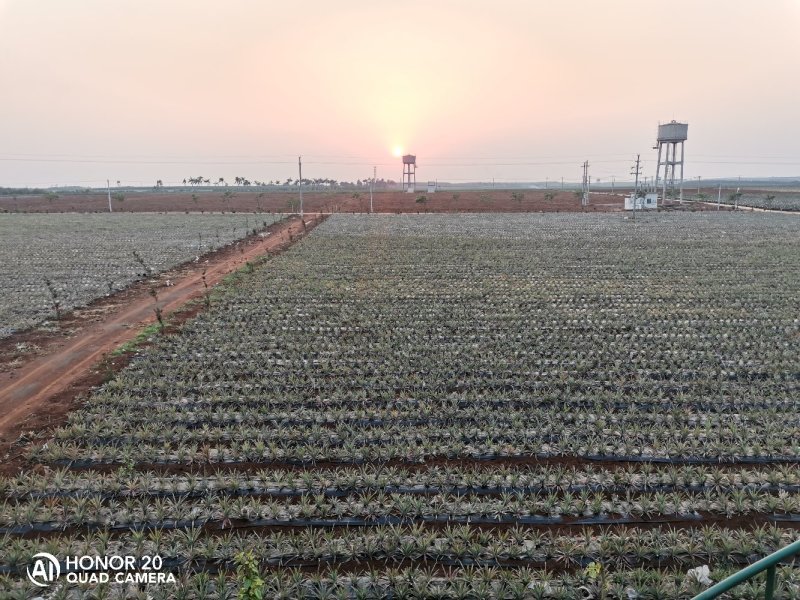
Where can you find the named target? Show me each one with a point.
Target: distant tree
(768, 200)
(422, 199)
(517, 196)
(258, 200)
(549, 196)
(221, 181)
(159, 183)
(194, 198)
(50, 196)
(227, 196)
(119, 197)
(456, 196)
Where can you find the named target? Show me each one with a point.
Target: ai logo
(46, 569)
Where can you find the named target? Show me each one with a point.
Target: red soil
(395, 201)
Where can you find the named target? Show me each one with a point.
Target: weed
(251, 585)
(56, 303)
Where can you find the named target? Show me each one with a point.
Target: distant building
(649, 200)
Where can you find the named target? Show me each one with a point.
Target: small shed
(649, 200)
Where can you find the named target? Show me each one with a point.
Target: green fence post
(770, 591)
(768, 564)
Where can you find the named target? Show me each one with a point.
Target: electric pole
(719, 196)
(108, 184)
(613, 181)
(585, 185)
(300, 182)
(371, 186)
(636, 170)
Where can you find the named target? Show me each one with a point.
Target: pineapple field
(56, 262)
(444, 405)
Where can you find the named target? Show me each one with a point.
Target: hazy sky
(139, 90)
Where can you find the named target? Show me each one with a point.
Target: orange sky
(137, 90)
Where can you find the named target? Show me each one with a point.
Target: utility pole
(613, 181)
(698, 187)
(108, 184)
(300, 182)
(585, 185)
(546, 181)
(562, 184)
(371, 185)
(636, 170)
(719, 196)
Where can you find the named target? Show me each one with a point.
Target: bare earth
(395, 201)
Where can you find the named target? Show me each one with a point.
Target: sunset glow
(516, 90)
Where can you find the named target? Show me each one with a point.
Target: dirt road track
(34, 387)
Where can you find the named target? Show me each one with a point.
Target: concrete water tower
(670, 135)
(409, 173)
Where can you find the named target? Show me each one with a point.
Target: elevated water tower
(409, 173)
(670, 135)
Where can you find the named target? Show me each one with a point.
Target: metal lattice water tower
(409, 172)
(670, 135)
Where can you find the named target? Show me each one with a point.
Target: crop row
(373, 507)
(492, 480)
(454, 544)
(735, 443)
(768, 200)
(452, 583)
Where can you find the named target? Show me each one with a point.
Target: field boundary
(38, 395)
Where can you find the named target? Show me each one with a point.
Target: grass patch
(140, 338)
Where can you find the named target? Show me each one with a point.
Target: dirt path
(30, 395)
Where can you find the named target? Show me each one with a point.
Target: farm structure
(648, 201)
(488, 406)
(71, 259)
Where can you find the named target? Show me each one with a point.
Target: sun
(397, 151)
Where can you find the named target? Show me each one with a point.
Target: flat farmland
(72, 259)
(245, 200)
(452, 406)
(784, 200)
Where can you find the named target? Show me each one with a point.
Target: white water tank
(673, 132)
